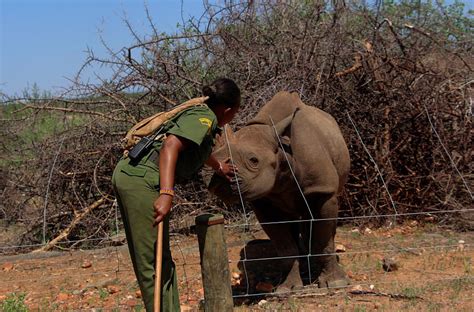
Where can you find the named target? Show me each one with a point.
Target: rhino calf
(286, 140)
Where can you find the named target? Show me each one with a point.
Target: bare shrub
(397, 77)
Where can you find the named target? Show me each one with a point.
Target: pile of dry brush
(398, 79)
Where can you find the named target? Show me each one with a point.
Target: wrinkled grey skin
(318, 155)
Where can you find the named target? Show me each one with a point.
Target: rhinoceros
(292, 163)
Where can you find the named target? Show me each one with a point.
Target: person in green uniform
(145, 190)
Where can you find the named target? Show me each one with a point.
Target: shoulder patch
(206, 121)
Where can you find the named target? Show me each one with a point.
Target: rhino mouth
(237, 186)
(227, 191)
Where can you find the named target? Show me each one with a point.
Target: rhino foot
(290, 284)
(335, 278)
(284, 289)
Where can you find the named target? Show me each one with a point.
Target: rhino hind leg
(320, 235)
(282, 237)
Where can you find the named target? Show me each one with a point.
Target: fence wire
(52, 276)
(121, 266)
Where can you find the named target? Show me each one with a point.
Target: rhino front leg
(283, 239)
(324, 261)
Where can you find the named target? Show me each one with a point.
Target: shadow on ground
(260, 273)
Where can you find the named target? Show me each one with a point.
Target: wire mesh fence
(83, 280)
(400, 88)
(430, 262)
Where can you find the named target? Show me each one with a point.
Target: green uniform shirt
(197, 124)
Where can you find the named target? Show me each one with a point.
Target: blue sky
(44, 41)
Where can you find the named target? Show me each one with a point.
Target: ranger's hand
(162, 206)
(226, 169)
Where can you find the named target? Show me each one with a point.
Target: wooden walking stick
(158, 263)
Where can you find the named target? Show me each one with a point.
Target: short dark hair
(222, 91)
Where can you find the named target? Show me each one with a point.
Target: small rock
(367, 231)
(460, 246)
(340, 248)
(264, 287)
(113, 289)
(138, 294)
(86, 264)
(62, 297)
(186, 308)
(262, 303)
(371, 287)
(389, 264)
(7, 267)
(130, 303)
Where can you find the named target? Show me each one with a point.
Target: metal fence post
(214, 263)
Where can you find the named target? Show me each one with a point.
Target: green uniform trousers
(136, 188)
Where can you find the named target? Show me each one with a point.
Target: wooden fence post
(214, 263)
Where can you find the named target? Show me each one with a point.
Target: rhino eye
(254, 160)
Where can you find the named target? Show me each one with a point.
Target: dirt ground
(435, 273)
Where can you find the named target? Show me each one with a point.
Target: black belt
(154, 155)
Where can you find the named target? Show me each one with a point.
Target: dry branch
(353, 68)
(75, 111)
(405, 75)
(71, 226)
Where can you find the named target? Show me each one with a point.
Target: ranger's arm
(172, 146)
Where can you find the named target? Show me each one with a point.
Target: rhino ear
(281, 126)
(221, 138)
(286, 142)
(278, 131)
